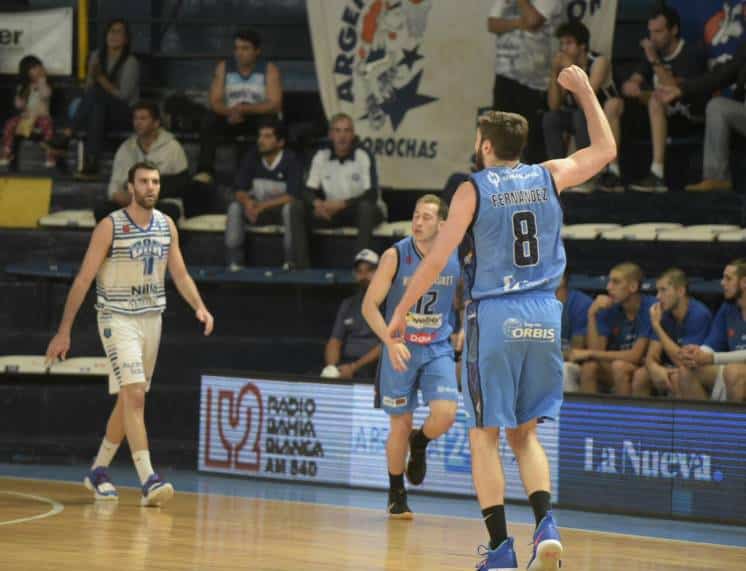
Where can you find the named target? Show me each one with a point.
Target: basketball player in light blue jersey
(511, 218)
(128, 255)
(425, 344)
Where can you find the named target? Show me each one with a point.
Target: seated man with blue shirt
(268, 180)
(718, 366)
(618, 333)
(341, 190)
(676, 320)
(575, 305)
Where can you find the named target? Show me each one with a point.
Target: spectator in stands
(718, 367)
(32, 104)
(353, 349)
(112, 87)
(244, 89)
(341, 190)
(564, 116)
(676, 320)
(269, 178)
(722, 115)
(524, 31)
(668, 60)
(575, 305)
(150, 142)
(618, 333)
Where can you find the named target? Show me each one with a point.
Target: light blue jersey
(429, 320)
(431, 370)
(514, 243)
(240, 88)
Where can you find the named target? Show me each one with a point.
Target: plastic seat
(645, 231)
(733, 236)
(204, 223)
(587, 231)
(686, 234)
(68, 219)
(394, 229)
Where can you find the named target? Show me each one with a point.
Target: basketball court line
(417, 516)
(57, 507)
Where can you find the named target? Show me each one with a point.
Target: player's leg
(657, 112)
(155, 491)
(539, 396)
(696, 383)
(398, 398)
(734, 376)
(488, 398)
(642, 382)
(589, 373)
(440, 392)
(621, 373)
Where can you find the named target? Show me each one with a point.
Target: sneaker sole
(404, 516)
(159, 497)
(100, 497)
(548, 555)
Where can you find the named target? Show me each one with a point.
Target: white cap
(366, 256)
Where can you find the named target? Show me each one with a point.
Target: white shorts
(570, 377)
(718, 388)
(131, 345)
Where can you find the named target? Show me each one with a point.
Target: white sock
(142, 465)
(657, 169)
(105, 454)
(614, 168)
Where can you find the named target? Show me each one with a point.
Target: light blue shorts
(431, 369)
(513, 360)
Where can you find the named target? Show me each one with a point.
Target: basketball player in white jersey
(128, 255)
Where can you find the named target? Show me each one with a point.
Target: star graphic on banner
(403, 100)
(411, 57)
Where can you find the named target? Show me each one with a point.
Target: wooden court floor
(199, 531)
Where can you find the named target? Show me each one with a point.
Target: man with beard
(676, 320)
(513, 258)
(268, 180)
(128, 255)
(718, 366)
(426, 346)
(618, 333)
(353, 349)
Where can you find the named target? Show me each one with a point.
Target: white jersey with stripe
(132, 278)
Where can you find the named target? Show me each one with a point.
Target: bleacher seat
(271, 229)
(645, 231)
(204, 223)
(698, 233)
(68, 219)
(733, 236)
(36, 365)
(587, 231)
(394, 229)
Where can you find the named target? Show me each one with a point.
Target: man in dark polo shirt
(353, 349)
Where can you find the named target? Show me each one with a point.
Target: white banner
(47, 34)
(331, 433)
(599, 16)
(413, 75)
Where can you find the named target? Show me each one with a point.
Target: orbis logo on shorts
(517, 330)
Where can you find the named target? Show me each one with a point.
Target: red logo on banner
(236, 417)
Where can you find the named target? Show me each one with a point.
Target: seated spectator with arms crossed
(353, 349)
(575, 305)
(341, 190)
(618, 333)
(268, 180)
(718, 366)
(676, 320)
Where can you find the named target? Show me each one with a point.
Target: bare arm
(594, 339)
(273, 103)
(277, 202)
(585, 163)
(98, 249)
(633, 355)
(600, 73)
(654, 354)
(530, 19)
(333, 351)
(370, 357)
(184, 282)
(463, 206)
(217, 91)
(668, 345)
(377, 291)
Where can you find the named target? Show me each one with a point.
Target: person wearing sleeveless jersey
(128, 255)
(244, 89)
(513, 260)
(425, 344)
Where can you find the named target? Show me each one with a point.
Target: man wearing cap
(353, 349)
